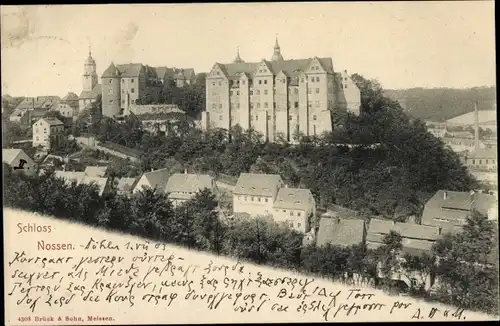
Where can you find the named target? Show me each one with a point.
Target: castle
(278, 97)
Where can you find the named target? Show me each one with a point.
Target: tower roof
(112, 71)
(277, 51)
(238, 58)
(90, 60)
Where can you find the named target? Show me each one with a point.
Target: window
(296, 104)
(230, 92)
(246, 198)
(251, 92)
(37, 138)
(258, 92)
(298, 214)
(260, 82)
(123, 101)
(220, 106)
(132, 90)
(265, 92)
(317, 90)
(110, 91)
(309, 103)
(314, 117)
(317, 79)
(256, 117)
(317, 104)
(237, 92)
(123, 81)
(258, 105)
(291, 213)
(266, 200)
(251, 105)
(238, 105)
(290, 224)
(132, 80)
(213, 83)
(265, 82)
(220, 117)
(220, 84)
(296, 91)
(274, 91)
(268, 117)
(346, 86)
(298, 225)
(110, 101)
(265, 105)
(110, 81)
(274, 105)
(252, 198)
(213, 106)
(258, 198)
(290, 118)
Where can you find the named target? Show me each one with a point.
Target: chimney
(476, 127)
(445, 195)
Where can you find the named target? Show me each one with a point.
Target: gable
(315, 67)
(216, 71)
(263, 69)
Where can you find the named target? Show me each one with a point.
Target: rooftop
(292, 198)
(339, 231)
(189, 183)
(257, 184)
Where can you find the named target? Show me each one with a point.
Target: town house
(255, 193)
(18, 160)
(294, 207)
(45, 130)
(182, 187)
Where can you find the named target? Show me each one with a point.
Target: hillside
(439, 104)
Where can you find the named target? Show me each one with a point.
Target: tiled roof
(180, 182)
(257, 184)
(93, 94)
(457, 140)
(289, 67)
(82, 178)
(460, 134)
(96, 171)
(126, 184)
(157, 179)
(111, 71)
(483, 153)
(292, 198)
(456, 206)
(339, 231)
(406, 230)
(70, 97)
(131, 69)
(39, 102)
(9, 154)
(53, 121)
(63, 106)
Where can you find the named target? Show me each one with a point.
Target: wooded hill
(440, 104)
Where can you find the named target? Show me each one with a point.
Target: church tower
(238, 58)
(89, 73)
(277, 52)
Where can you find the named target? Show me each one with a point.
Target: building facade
(255, 193)
(124, 85)
(18, 160)
(182, 187)
(294, 207)
(45, 130)
(278, 98)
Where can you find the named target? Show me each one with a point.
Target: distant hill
(440, 104)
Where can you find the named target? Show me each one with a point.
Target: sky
(401, 44)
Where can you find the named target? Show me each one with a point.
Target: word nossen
(41, 245)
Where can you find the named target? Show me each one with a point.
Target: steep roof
(293, 198)
(157, 179)
(257, 184)
(93, 94)
(10, 154)
(190, 183)
(131, 69)
(82, 178)
(126, 184)
(289, 67)
(111, 71)
(455, 206)
(96, 171)
(70, 97)
(340, 231)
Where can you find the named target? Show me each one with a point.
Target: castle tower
(277, 52)
(89, 73)
(238, 58)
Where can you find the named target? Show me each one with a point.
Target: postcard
(249, 162)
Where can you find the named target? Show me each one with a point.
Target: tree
(467, 265)
(390, 254)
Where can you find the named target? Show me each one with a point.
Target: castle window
(298, 214)
(265, 105)
(251, 105)
(132, 90)
(258, 92)
(213, 105)
(265, 81)
(314, 117)
(110, 81)
(260, 82)
(123, 81)
(110, 101)
(268, 117)
(251, 92)
(274, 105)
(238, 105)
(274, 91)
(317, 90)
(256, 117)
(317, 79)
(296, 105)
(220, 117)
(237, 92)
(213, 83)
(123, 101)
(291, 213)
(265, 92)
(231, 92)
(132, 80)
(290, 117)
(302, 80)
(341, 85)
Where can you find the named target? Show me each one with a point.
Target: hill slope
(439, 104)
